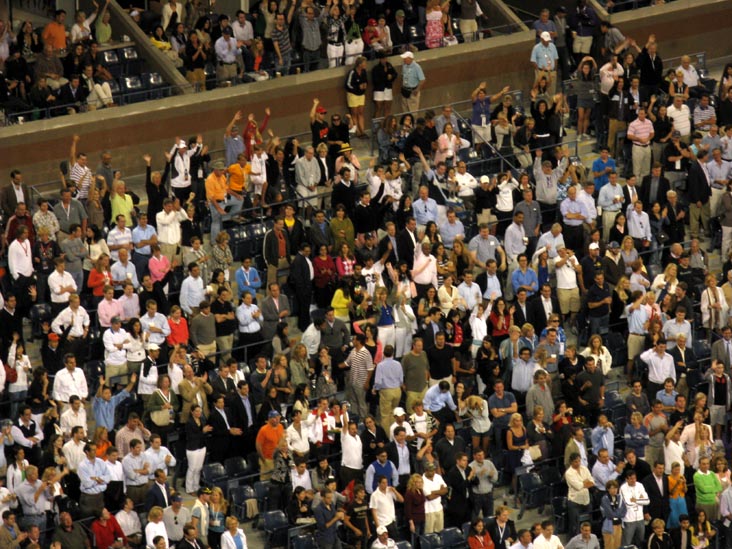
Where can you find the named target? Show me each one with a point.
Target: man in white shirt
(680, 115)
(27, 433)
(158, 456)
(660, 366)
(129, 521)
(116, 339)
(74, 320)
(168, 223)
(243, 30)
(381, 504)
(192, 290)
(579, 480)
(69, 381)
(297, 436)
(20, 256)
(155, 325)
(300, 476)
(547, 539)
(352, 454)
(258, 174)
(62, 285)
(73, 450)
(551, 240)
(635, 497)
(434, 488)
(524, 540)
(469, 292)
(73, 417)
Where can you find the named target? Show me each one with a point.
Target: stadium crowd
(437, 311)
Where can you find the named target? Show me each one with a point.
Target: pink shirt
(108, 309)
(158, 267)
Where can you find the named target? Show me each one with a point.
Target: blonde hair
(155, 513)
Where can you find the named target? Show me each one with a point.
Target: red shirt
(97, 281)
(178, 332)
(105, 535)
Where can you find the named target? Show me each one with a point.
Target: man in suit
(320, 234)
(431, 326)
(158, 495)
(389, 246)
(654, 187)
(521, 308)
(448, 447)
(276, 251)
(656, 485)
(223, 433)
(301, 282)
(631, 192)
(190, 539)
(676, 214)
(685, 363)
(192, 391)
(241, 415)
(459, 496)
(16, 192)
(72, 95)
(722, 349)
(407, 242)
(10, 534)
(223, 384)
(274, 308)
(699, 188)
(400, 454)
(542, 307)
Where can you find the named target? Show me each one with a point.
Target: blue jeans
(284, 68)
(16, 399)
(232, 206)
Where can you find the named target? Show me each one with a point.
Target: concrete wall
(451, 74)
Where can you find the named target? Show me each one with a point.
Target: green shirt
(104, 32)
(707, 487)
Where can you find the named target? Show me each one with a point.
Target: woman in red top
(253, 135)
(324, 276)
(414, 499)
(99, 277)
(178, 327)
(500, 320)
(478, 537)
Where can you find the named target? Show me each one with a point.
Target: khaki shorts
(569, 300)
(717, 414)
(635, 345)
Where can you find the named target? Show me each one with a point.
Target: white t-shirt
(434, 485)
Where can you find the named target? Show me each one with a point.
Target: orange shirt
(216, 187)
(238, 177)
(55, 34)
(268, 438)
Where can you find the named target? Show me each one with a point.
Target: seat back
(212, 473)
(404, 545)
(430, 541)
(303, 541)
(452, 537)
(235, 466)
(129, 54)
(274, 521)
(110, 57)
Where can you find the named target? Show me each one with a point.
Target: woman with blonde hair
(621, 299)
(701, 448)
(155, 527)
(601, 354)
(516, 442)
(677, 495)
(234, 537)
(628, 254)
(299, 365)
(217, 509)
(414, 500)
(666, 280)
(714, 307)
(476, 409)
(101, 441)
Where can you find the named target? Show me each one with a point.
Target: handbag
(535, 452)
(11, 374)
(161, 418)
(662, 237)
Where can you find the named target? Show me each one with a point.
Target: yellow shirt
(238, 177)
(122, 205)
(216, 187)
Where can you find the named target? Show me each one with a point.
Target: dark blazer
(626, 197)
(271, 247)
(659, 506)
(458, 491)
(663, 188)
(154, 497)
(519, 318)
(8, 201)
(719, 352)
(494, 532)
(318, 238)
(300, 276)
(697, 184)
(675, 534)
(384, 246)
(218, 442)
(405, 247)
(537, 316)
(222, 386)
(185, 544)
(270, 315)
(67, 99)
(427, 333)
(370, 443)
(393, 455)
(690, 359)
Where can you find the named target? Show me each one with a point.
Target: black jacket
(406, 247)
(155, 498)
(697, 184)
(393, 455)
(271, 247)
(300, 276)
(659, 506)
(537, 314)
(645, 191)
(651, 71)
(509, 531)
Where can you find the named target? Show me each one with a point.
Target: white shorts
(385, 95)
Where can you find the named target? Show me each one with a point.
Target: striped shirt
(361, 364)
(640, 129)
(702, 116)
(82, 176)
(282, 37)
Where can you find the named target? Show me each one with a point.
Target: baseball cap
(613, 245)
(53, 337)
(134, 13)
(153, 347)
(485, 179)
(407, 55)
(399, 13)
(676, 133)
(594, 246)
(430, 467)
(546, 36)
(381, 530)
(321, 110)
(228, 30)
(560, 246)
(371, 22)
(273, 413)
(561, 9)
(218, 165)
(204, 490)
(176, 498)
(399, 411)
(116, 320)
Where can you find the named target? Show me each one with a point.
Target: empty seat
(157, 88)
(430, 541)
(453, 537)
(213, 474)
(305, 541)
(236, 466)
(275, 525)
(133, 89)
